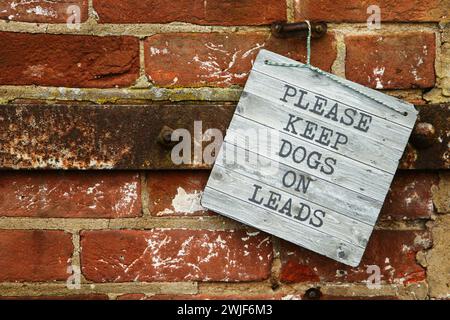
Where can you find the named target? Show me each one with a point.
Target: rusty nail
(423, 135)
(278, 27)
(165, 137)
(313, 294)
(320, 28)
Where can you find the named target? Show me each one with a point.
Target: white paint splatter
(184, 245)
(156, 51)
(406, 248)
(36, 71)
(415, 73)
(378, 73)
(184, 202)
(263, 241)
(174, 81)
(38, 10)
(128, 196)
(213, 68)
(90, 190)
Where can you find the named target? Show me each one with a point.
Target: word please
(328, 109)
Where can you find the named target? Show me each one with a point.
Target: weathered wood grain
(334, 223)
(305, 78)
(349, 173)
(281, 227)
(367, 148)
(382, 131)
(274, 173)
(330, 195)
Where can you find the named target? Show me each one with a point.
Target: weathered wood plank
(381, 130)
(349, 173)
(346, 138)
(305, 78)
(333, 223)
(366, 148)
(260, 168)
(279, 226)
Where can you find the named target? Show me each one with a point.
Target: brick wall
(143, 235)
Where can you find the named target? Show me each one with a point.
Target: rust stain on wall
(132, 137)
(97, 137)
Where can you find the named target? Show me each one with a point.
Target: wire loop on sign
(321, 72)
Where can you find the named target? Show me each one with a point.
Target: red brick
(41, 10)
(34, 255)
(356, 10)
(175, 255)
(391, 62)
(211, 12)
(393, 251)
(92, 296)
(74, 194)
(68, 60)
(221, 59)
(410, 196)
(176, 193)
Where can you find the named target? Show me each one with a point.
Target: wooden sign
(309, 157)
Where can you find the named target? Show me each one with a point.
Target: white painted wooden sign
(309, 159)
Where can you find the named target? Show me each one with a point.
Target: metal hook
(298, 29)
